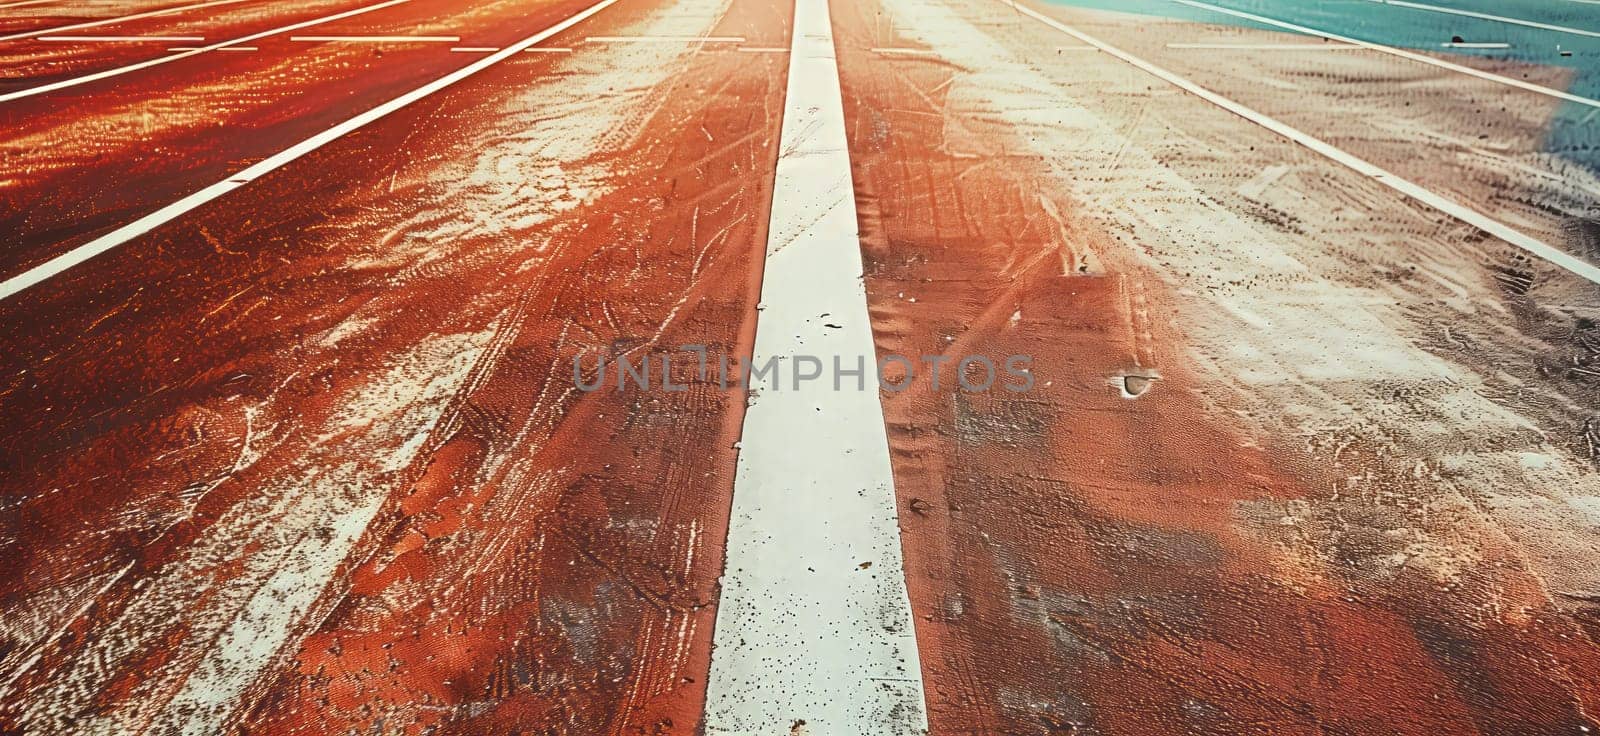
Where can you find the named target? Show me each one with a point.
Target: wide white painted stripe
(1577, 266)
(120, 19)
(10, 287)
(804, 632)
(22, 3)
(108, 73)
(1402, 53)
(1487, 16)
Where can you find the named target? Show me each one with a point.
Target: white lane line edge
(1486, 16)
(804, 630)
(15, 284)
(1416, 192)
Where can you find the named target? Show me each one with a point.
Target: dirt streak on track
(80, 161)
(1081, 561)
(365, 379)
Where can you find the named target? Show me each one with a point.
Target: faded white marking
(664, 39)
(1266, 46)
(899, 51)
(118, 71)
(375, 39)
(231, 602)
(119, 19)
(123, 39)
(1486, 16)
(1402, 53)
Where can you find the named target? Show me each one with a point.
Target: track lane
(1241, 374)
(304, 313)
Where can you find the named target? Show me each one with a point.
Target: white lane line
(225, 48)
(664, 39)
(121, 19)
(806, 630)
(1577, 266)
(1266, 46)
(1474, 45)
(1486, 16)
(24, 2)
(11, 286)
(1402, 53)
(376, 39)
(123, 39)
(87, 78)
(902, 51)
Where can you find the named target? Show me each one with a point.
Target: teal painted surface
(1575, 131)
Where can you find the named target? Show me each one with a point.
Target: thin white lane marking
(764, 49)
(87, 78)
(225, 48)
(1474, 45)
(664, 39)
(1577, 266)
(121, 19)
(1486, 16)
(123, 39)
(474, 49)
(805, 630)
(898, 51)
(1266, 46)
(24, 2)
(1402, 53)
(11, 286)
(375, 39)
